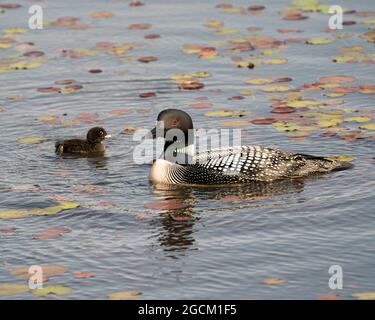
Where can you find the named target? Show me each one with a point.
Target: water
(227, 240)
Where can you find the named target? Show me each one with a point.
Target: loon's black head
(172, 124)
(96, 135)
(176, 127)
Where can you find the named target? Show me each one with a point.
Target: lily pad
(124, 295)
(32, 140)
(57, 290)
(9, 289)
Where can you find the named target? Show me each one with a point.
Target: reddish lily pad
(264, 121)
(191, 85)
(148, 59)
(51, 233)
(152, 36)
(84, 275)
(95, 70)
(139, 26)
(147, 94)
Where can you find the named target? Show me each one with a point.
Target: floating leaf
(152, 36)
(227, 113)
(9, 289)
(201, 105)
(263, 121)
(101, 14)
(49, 270)
(274, 281)
(124, 295)
(358, 119)
(8, 230)
(319, 41)
(148, 59)
(190, 85)
(51, 233)
(215, 24)
(302, 103)
(13, 214)
(274, 61)
(95, 70)
(147, 94)
(226, 31)
(139, 26)
(84, 275)
(247, 92)
(370, 126)
(336, 79)
(364, 295)
(260, 81)
(235, 123)
(277, 88)
(54, 289)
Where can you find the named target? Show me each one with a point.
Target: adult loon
(222, 166)
(91, 146)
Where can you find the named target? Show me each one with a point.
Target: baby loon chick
(232, 165)
(92, 144)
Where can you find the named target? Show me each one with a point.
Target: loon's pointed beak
(108, 136)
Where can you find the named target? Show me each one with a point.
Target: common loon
(92, 144)
(233, 165)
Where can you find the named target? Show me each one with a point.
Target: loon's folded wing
(254, 163)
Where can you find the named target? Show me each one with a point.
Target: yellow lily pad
(364, 295)
(200, 74)
(302, 103)
(9, 289)
(370, 126)
(247, 92)
(369, 21)
(274, 61)
(13, 214)
(329, 122)
(319, 41)
(235, 123)
(226, 113)
(124, 295)
(274, 281)
(54, 289)
(260, 81)
(277, 88)
(226, 31)
(49, 270)
(32, 140)
(286, 126)
(358, 119)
